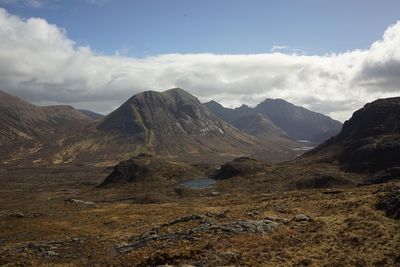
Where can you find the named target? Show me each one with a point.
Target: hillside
(21, 121)
(369, 140)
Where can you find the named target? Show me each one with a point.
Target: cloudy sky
(328, 56)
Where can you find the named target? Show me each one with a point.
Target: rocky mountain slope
(21, 121)
(281, 116)
(369, 141)
(258, 125)
(174, 122)
(366, 151)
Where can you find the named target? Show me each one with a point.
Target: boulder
(301, 217)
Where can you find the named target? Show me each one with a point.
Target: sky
(329, 56)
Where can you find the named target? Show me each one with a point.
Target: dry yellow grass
(345, 228)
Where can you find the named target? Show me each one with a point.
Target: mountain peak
(213, 103)
(176, 90)
(298, 122)
(174, 122)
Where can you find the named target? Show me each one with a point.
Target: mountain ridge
(22, 121)
(172, 124)
(297, 122)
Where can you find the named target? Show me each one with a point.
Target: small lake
(198, 183)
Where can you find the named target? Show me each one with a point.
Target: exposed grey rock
(51, 253)
(205, 225)
(301, 217)
(18, 214)
(50, 248)
(84, 202)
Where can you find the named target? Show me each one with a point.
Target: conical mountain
(174, 122)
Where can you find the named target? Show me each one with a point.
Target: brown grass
(345, 228)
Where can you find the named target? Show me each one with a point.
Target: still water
(199, 183)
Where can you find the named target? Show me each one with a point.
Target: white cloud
(40, 63)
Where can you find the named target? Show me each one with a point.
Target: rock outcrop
(369, 141)
(145, 167)
(240, 166)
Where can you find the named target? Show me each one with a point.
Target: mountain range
(172, 123)
(279, 117)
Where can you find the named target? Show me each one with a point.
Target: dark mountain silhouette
(21, 121)
(369, 141)
(279, 117)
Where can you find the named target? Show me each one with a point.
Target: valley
(163, 181)
(41, 225)
(199, 133)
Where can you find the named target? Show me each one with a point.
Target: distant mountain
(299, 123)
(247, 120)
(227, 114)
(283, 117)
(258, 125)
(91, 114)
(369, 141)
(21, 121)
